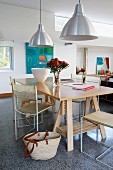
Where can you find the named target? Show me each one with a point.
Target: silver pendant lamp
(78, 28)
(40, 38)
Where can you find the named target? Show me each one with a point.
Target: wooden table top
(64, 92)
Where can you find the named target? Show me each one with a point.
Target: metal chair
(91, 80)
(33, 108)
(94, 81)
(98, 118)
(81, 102)
(77, 78)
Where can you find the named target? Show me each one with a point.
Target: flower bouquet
(83, 72)
(56, 66)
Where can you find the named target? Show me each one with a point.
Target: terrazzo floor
(11, 152)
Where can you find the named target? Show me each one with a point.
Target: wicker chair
(33, 108)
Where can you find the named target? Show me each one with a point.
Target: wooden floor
(5, 95)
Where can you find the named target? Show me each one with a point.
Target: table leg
(53, 107)
(69, 126)
(87, 106)
(102, 129)
(46, 98)
(66, 108)
(53, 104)
(62, 110)
(59, 117)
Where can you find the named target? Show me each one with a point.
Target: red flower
(56, 65)
(82, 70)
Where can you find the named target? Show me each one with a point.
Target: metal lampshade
(40, 38)
(78, 28)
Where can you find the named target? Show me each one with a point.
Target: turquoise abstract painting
(37, 57)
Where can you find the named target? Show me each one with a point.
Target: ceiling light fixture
(40, 38)
(78, 28)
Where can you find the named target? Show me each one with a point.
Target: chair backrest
(77, 78)
(12, 81)
(96, 81)
(25, 92)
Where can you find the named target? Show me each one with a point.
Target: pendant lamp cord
(79, 1)
(40, 11)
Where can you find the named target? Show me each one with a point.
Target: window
(102, 29)
(60, 22)
(6, 56)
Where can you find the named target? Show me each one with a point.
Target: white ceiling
(95, 10)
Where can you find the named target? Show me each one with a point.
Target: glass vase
(83, 78)
(56, 78)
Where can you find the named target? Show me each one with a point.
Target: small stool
(99, 118)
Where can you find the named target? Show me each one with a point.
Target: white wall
(93, 53)
(67, 53)
(19, 24)
(79, 57)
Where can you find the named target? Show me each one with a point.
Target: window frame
(11, 59)
(65, 19)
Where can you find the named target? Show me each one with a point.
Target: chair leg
(81, 135)
(53, 102)
(13, 108)
(42, 117)
(34, 121)
(80, 105)
(37, 121)
(84, 105)
(81, 110)
(102, 154)
(15, 124)
(97, 133)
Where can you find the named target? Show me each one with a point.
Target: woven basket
(41, 145)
